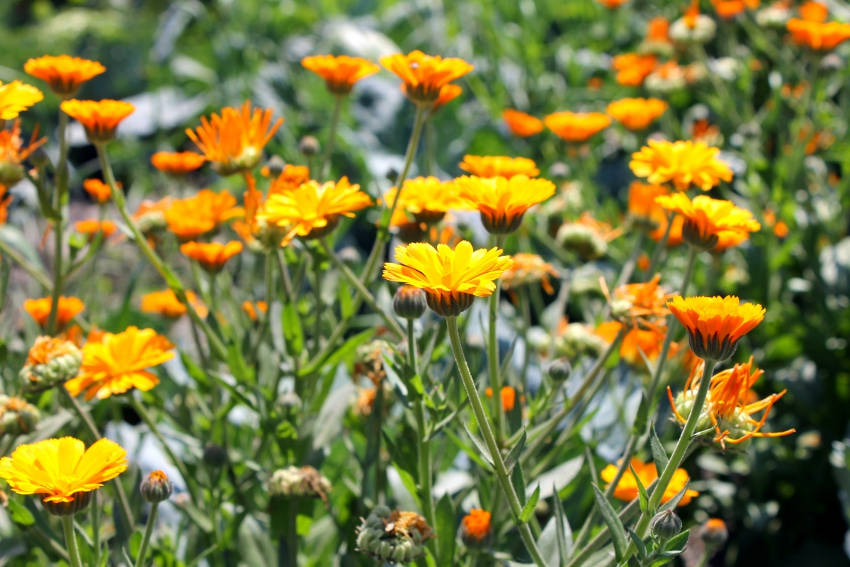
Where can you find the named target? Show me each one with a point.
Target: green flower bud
(665, 525)
(215, 455)
(393, 536)
(409, 302)
(156, 487)
(17, 416)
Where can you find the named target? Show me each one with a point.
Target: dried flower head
(529, 268)
(50, 362)
(17, 417)
(63, 73)
(299, 481)
(393, 536)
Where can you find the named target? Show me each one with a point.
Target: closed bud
(275, 166)
(665, 525)
(308, 146)
(559, 369)
(215, 455)
(17, 416)
(10, 173)
(156, 487)
(714, 532)
(409, 302)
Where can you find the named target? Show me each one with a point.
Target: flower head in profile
(177, 163)
(684, 163)
(644, 211)
(503, 202)
(529, 268)
(63, 73)
(93, 227)
(707, 220)
(118, 362)
(507, 396)
(636, 113)
(253, 310)
(340, 72)
(423, 76)
(14, 151)
(211, 255)
(201, 213)
(234, 140)
(67, 308)
(475, 526)
(818, 35)
(577, 126)
(499, 166)
(451, 277)
(632, 68)
(627, 488)
(100, 118)
(730, 405)
(427, 199)
(521, 124)
(639, 343)
(312, 210)
(62, 471)
(98, 190)
(16, 97)
(715, 324)
(164, 302)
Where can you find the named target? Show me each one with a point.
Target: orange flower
(14, 151)
(715, 324)
(340, 72)
(426, 198)
(507, 394)
(642, 206)
(821, 36)
(727, 9)
(67, 309)
(165, 303)
(685, 163)
(425, 75)
(99, 117)
(503, 202)
(194, 216)
(151, 214)
(92, 227)
(234, 141)
(814, 12)
(290, 178)
(636, 113)
(522, 124)
(16, 97)
(98, 190)
(529, 268)
(252, 309)
(642, 301)
(63, 73)
(62, 471)
(118, 363)
(576, 126)
(627, 488)
(211, 255)
(637, 343)
(177, 163)
(611, 4)
(730, 404)
(706, 220)
(658, 30)
(4, 204)
(499, 166)
(447, 94)
(475, 526)
(633, 68)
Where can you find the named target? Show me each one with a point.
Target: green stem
(167, 274)
(59, 225)
(629, 266)
(71, 541)
(492, 446)
(423, 445)
(326, 156)
(493, 357)
(25, 264)
(660, 246)
(143, 548)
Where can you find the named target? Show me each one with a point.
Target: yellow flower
(16, 97)
(424, 76)
(715, 324)
(499, 166)
(201, 213)
(14, 150)
(312, 210)
(99, 117)
(521, 124)
(577, 126)
(503, 202)
(165, 303)
(62, 471)
(211, 255)
(685, 163)
(636, 113)
(450, 277)
(426, 198)
(707, 220)
(118, 362)
(234, 141)
(63, 73)
(627, 488)
(340, 72)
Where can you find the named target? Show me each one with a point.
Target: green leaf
(612, 520)
(642, 495)
(19, 513)
(445, 521)
(292, 332)
(659, 455)
(641, 547)
(346, 302)
(676, 544)
(484, 453)
(516, 450)
(529, 507)
(673, 502)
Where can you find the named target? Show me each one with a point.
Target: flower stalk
(71, 541)
(143, 547)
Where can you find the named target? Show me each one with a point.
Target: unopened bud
(714, 532)
(559, 369)
(215, 455)
(156, 487)
(409, 302)
(308, 146)
(665, 525)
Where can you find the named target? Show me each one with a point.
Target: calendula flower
(14, 150)
(67, 309)
(715, 324)
(636, 113)
(507, 395)
(637, 343)
(16, 97)
(503, 202)
(643, 210)
(290, 178)
(393, 536)
(427, 199)
(234, 140)
(201, 213)
(423, 76)
(165, 303)
(521, 124)
(50, 361)
(62, 471)
(447, 94)
(63, 73)
(118, 362)
(820, 36)
(475, 526)
(730, 405)
(177, 163)
(577, 126)
(499, 166)
(451, 277)
(150, 215)
(340, 72)
(211, 255)
(100, 118)
(645, 301)
(17, 417)
(633, 68)
(312, 210)
(813, 11)
(684, 163)
(98, 190)
(627, 488)
(93, 227)
(706, 220)
(529, 268)
(4, 204)
(252, 310)
(728, 9)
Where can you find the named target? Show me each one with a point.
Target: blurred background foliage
(179, 59)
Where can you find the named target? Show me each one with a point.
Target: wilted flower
(177, 163)
(503, 202)
(16, 97)
(707, 220)
(529, 268)
(475, 526)
(577, 126)
(520, 124)
(156, 487)
(67, 308)
(17, 416)
(666, 78)
(100, 118)
(340, 72)
(393, 536)
(627, 488)
(211, 255)
(424, 76)
(715, 324)
(164, 302)
(684, 163)
(636, 113)
(50, 362)
(577, 339)
(302, 482)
